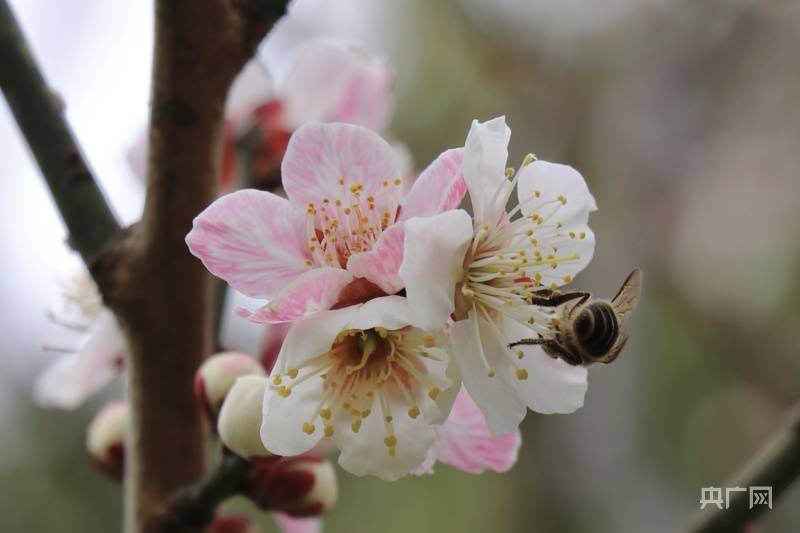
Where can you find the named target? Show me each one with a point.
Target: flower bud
(239, 423)
(298, 486)
(105, 439)
(216, 376)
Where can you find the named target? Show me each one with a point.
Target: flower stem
(776, 465)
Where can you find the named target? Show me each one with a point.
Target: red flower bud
(105, 439)
(298, 486)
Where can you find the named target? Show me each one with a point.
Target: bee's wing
(629, 294)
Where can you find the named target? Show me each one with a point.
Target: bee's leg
(556, 299)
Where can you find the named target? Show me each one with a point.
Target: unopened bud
(298, 486)
(239, 423)
(216, 376)
(105, 439)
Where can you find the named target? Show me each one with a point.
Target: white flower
(484, 270)
(78, 374)
(364, 377)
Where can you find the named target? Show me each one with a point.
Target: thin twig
(39, 113)
(195, 506)
(776, 465)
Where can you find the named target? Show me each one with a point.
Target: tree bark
(161, 293)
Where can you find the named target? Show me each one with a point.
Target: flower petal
(329, 82)
(381, 265)
(290, 524)
(433, 264)
(465, 442)
(319, 154)
(282, 425)
(500, 404)
(544, 187)
(484, 168)
(312, 291)
(575, 246)
(254, 240)
(69, 381)
(364, 452)
(439, 188)
(552, 386)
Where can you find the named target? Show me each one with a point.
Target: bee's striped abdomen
(597, 328)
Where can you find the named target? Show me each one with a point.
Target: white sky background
(97, 55)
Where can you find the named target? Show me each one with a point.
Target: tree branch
(91, 224)
(776, 465)
(195, 506)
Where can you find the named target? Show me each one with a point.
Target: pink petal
(290, 524)
(254, 240)
(314, 290)
(357, 87)
(439, 188)
(381, 264)
(319, 155)
(465, 442)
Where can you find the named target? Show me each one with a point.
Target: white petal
(365, 452)
(312, 336)
(282, 426)
(552, 386)
(72, 379)
(389, 312)
(484, 168)
(499, 402)
(552, 181)
(579, 249)
(433, 264)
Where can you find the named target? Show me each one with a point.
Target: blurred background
(683, 116)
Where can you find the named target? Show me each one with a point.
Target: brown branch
(39, 114)
(161, 293)
(776, 465)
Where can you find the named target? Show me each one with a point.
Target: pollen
(434, 393)
(413, 412)
(308, 428)
(522, 374)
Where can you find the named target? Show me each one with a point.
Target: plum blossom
(367, 379)
(100, 356)
(485, 270)
(337, 239)
(465, 442)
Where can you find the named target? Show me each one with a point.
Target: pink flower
(338, 239)
(465, 442)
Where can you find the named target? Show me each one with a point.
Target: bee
(587, 331)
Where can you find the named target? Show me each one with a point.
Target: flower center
(351, 222)
(368, 373)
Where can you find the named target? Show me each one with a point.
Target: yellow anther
(529, 232)
(365, 413)
(531, 320)
(537, 194)
(554, 285)
(522, 374)
(390, 441)
(385, 183)
(292, 373)
(284, 391)
(341, 180)
(398, 181)
(328, 430)
(530, 158)
(325, 413)
(309, 263)
(582, 235)
(277, 380)
(428, 341)
(388, 419)
(491, 373)
(562, 199)
(567, 279)
(434, 393)
(308, 428)
(571, 234)
(413, 412)
(510, 172)
(356, 425)
(520, 353)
